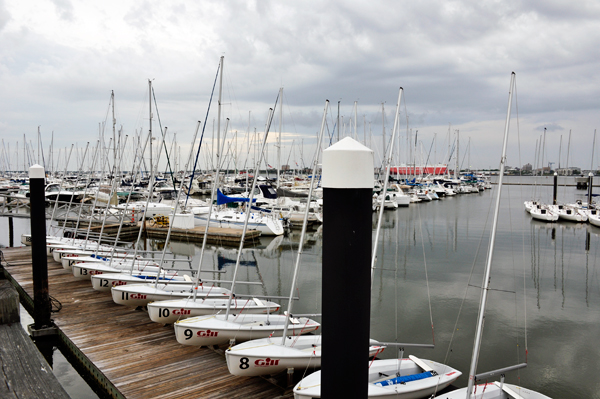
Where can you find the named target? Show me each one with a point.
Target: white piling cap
(348, 164)
(36, 172)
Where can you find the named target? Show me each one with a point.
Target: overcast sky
(60, 59)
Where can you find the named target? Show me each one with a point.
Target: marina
(555, 261)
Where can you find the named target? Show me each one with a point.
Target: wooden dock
(129, 355)
(25, 373)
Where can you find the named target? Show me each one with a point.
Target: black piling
(555, 188)
(346, 284)
(41, 298)
(590, 184)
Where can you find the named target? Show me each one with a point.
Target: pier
(25, 372)
(126, 353)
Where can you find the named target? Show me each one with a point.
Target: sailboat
(221, 328)
(492, 390)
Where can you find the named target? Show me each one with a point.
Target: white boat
(568, 213)
(392, 378)
(141, 294)
(170, 311)
(542, 212)
(593, 216)
(529, 205)
(269, 224)
(69, 257)
(85, 270)
(269, 356)
(105, 281)
(218, 329)
(495, 390)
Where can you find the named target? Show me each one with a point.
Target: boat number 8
(244, 363)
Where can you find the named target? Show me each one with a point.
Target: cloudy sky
(60, 59)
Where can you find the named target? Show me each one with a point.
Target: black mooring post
(590, 184)
(348, 175)
(37, 200)
(11, 233)
(555, 188)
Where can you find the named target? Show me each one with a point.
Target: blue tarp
(405, 378)
(223, 199)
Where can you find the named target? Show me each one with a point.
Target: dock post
(555, 188)
(590, 185)
(11, 233)
(39, 260)
(348, 176)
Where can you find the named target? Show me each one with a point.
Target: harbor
(557, 261)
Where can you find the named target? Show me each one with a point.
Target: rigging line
(202, 135)
(512, 252)
(522, 223)
(163, 143)
(481, 238)
(426, 276)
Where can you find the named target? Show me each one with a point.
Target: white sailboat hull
(85, 270)
(268, 356)
(141, 294)
(216, 330)
(105, 281)
(493, 391)
(168, 312)
(310, 386)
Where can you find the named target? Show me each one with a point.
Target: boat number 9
(244, 363)
(188, 333)
(163, 312)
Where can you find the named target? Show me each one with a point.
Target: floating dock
(123, 350)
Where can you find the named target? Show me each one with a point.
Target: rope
(468, 283)
(426, 276)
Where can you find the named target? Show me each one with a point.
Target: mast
(114, 122)
(355, 116)
(150, 127)
(279, 138)
(457, 171)
(386, 164)
(383, 132)
(219, 111)
(486, 280)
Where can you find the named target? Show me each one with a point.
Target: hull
(217, 330)
(141, 294)
(68, 259)
(543, 214)
(310, 387)
(168, 312)
(268, 356)
(105, 281)
(266, 225)
(493, 391)
(86, 270)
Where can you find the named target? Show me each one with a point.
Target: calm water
(545, 298)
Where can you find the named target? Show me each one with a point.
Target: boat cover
(223, 199)
(404, 379)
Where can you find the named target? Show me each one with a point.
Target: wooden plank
(25, 372)
(139, 358)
